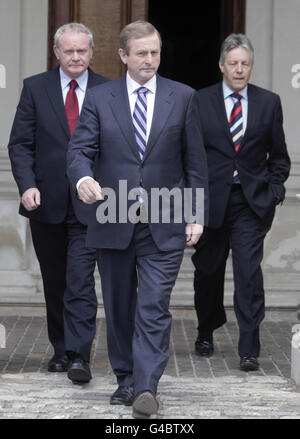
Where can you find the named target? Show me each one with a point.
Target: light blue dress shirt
(80, 90)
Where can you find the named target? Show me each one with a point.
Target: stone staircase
(282, 289)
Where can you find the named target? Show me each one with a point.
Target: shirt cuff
(81, 180)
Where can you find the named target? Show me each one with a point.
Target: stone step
(282, 289)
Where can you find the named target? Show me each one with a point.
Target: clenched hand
(89, 191)
(31, 199)
(193, 233)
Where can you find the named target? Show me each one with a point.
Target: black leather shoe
(204, 348)
(79, 370)
(58, 363)
(144, 405)
(249, 364)
(123, 396)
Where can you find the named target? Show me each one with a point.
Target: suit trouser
(67, 268)
(136, 287)
(244, 232)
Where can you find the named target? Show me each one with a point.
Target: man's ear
(56, 52)
(92, 49)
(123, 55)
(221, 66)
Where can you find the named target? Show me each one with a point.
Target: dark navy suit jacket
(38, 147)
(103, 146)
(262, 161)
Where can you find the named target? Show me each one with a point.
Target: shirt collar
(227, 91)
(82, 80)
(132, 85)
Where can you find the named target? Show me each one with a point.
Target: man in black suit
(46, 115)
(247, 166)
(137, 134)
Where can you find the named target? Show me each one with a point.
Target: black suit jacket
(103, 146)
(262, 161)
(38, 147)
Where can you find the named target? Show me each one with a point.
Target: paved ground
(191, 388)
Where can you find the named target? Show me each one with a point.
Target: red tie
(71, 105)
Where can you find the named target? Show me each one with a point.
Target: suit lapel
(54, 92)
(56, 98)
(92, 82)
(219, 105)
(253, 108)
(119, 104)
(162, 108)
(92, 79)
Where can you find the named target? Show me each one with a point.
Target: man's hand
(89, 191)
(193, 233)
(31, 199)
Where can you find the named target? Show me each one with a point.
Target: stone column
(2, 337)
(295, 356)
(23, 52)
(273, 28)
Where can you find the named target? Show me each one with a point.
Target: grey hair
(73, 27)
(137, 29)
(232, 42)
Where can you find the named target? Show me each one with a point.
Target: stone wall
(23, 52)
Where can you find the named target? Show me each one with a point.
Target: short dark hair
(137, 29)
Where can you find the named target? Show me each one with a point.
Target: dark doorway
(191, 34)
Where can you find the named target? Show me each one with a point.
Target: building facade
(27, 29)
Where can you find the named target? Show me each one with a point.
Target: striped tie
(236, 121)
(140, 120)
(140, 126)
(236, 127)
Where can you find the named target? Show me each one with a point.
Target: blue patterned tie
(140, 120)
(140, 126)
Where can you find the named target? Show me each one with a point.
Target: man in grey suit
(135, 134)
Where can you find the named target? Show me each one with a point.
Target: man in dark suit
(131, 151)
(45, 118)
(247, 166)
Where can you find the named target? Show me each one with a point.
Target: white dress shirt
(132, 87)
(229, 103)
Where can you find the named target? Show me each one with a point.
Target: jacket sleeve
(21, 145)
(84, 144)
(195, 164)
(278, 161)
